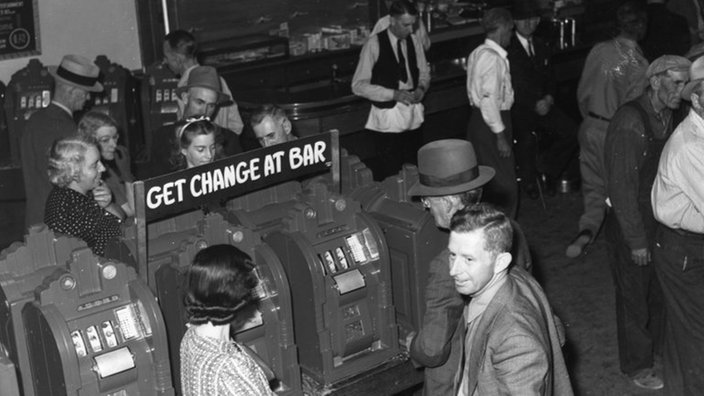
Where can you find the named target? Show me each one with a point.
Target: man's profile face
(441, 209)
(171, 59)
(471, 265)
(200, 101)
(402, 26)
(526, 27)
(270, 132)
(670, 88)
(504, 34)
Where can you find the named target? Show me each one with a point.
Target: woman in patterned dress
(220, 284)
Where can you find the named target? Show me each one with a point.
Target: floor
(580, 290)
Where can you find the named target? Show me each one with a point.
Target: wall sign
(19, 29)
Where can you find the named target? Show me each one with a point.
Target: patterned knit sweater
(212, 367)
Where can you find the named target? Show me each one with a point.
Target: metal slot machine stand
(164, 248)
(413, 239)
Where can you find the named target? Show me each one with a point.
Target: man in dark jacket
(534, 115)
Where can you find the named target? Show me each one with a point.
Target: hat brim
(689, 87)
(97, 87)
(485, 175)
(222, 98)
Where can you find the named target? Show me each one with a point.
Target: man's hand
(640, 256)
(418, 95)
(404, 96)
(102, 195)
(502, 145)
(542, 107)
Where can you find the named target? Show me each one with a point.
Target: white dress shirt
(489, 83)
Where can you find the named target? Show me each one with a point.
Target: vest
(386, 69)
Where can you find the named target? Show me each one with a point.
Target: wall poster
(19, 29)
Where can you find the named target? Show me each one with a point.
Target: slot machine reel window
(363, 247)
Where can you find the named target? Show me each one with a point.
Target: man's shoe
(579, 244)
(647, 379)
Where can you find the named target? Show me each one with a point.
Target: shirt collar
(626, 41)
(62, 106)
(698, 122)
(493, 44)
(523, 40)
(479, 302)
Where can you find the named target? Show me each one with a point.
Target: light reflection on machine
(338, 267)
(269, 331)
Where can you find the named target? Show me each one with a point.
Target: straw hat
(77, 71)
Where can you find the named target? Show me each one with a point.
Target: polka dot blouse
(69, 212)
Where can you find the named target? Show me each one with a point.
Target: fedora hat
(447, 167)
(525, 9)
(204, 77)
(77, 71)
(696, 75)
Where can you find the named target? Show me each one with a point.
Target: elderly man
(271, 126)
(634, 140)
(678, 256)
(393, 75)
(75, 77)
(613, 74)
(489, 90)
(534, 114)
(180, 50)
(449, 180)
(511, 345)
(201, 96)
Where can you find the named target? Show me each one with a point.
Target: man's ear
(286, 124)
(694, 98)
(655, 82)
(503, 260)
(184, 96)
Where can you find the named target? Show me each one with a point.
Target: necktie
(402, 74)
(531, 53)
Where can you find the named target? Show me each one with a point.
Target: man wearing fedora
(74, 78)
(201, 96)
(180, 55)
(634, 140)
(491, 97)
(534, 115)
(678, 255)
(449, 180)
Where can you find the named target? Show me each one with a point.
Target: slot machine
(413, 240)
(119, 101)
(23, 267)
(95, 328)
(158, 98)
(29, 90)
(174, 242)
(337, 264)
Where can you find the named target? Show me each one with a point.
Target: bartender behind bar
(393, 74)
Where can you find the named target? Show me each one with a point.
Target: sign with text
(237, 175)
(19, 28)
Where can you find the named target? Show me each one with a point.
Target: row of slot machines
(138, 105)
(341, 287)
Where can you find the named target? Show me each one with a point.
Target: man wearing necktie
(534, 115)
(511, 343)
(393, 74)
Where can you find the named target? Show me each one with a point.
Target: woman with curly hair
(80, 205)
(220, 284)
(101, 129)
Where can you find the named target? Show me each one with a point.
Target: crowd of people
(488, 327)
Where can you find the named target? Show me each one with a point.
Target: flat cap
(668, 62)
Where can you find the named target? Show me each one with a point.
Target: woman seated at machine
(197, 143)
(220, 284)
(80, 204)
(101, 129)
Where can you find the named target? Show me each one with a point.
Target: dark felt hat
(525, 9)
(204, 77)
(449, 166)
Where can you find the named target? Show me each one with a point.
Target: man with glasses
(271, 126)
(449, 179)
(534, 115)
(201, 96)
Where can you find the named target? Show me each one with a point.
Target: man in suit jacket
(534, 110)
(74, 78)
(511, 342)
